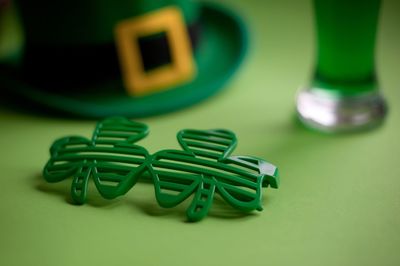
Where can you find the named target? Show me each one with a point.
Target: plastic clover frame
(204, 167)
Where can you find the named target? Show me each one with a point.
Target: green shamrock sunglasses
(204, 167)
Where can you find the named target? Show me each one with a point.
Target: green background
(339, 201)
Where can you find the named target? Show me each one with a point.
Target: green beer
(343, 94)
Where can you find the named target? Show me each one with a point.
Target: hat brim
(218, 55)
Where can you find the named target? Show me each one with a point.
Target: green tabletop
(339, 200)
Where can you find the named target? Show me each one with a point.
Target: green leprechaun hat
(128, 57)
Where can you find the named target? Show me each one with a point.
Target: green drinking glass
(343, 94)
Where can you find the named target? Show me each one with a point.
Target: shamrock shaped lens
(110, 158)
(204, 168)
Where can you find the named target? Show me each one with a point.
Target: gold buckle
(182, 67)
